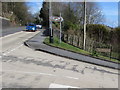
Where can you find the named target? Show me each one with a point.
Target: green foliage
(56, 24)
(66, 46)
(44, 14)
(70, 18)
(117, 31)
(98, 32)
(16, 11)
(70, 26)
(37, 21)
(94, 52)
(117, 37)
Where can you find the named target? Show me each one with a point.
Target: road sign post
(57, 19)
(60, 28)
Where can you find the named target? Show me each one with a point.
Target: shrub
(98, 32)
(116, 38)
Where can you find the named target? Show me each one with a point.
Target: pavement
(36, 43)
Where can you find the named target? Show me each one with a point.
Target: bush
(98, 32)
(71, 26)
(116, 38)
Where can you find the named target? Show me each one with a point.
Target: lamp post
(84, 42)
(50, 23)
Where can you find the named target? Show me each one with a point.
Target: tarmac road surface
(11, 30)
(22, 67)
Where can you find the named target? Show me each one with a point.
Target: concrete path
(37, 43)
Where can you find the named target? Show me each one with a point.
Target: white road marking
(54, 85)
(12, 50)
(9, 51)
(71, 77)
(46, 74)
(30, 72)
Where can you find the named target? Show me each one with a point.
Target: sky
(109, 10)
(34, 7)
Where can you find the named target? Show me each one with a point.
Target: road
(11, 30)
(22, 67)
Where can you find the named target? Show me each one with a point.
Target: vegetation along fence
(92, 46)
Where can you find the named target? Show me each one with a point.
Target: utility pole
(50, 23)
(60, 28)
(84, 43)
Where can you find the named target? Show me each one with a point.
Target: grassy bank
(66, 46)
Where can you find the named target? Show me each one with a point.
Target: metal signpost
(61, 19)
(57, 19)
(60, 28)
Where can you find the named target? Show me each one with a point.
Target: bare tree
(93, 13)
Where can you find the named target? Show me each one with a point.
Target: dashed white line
(71, 77)
(12, 50)
(54, 85)
(46, 74)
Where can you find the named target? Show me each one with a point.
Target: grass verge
(69, 47)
